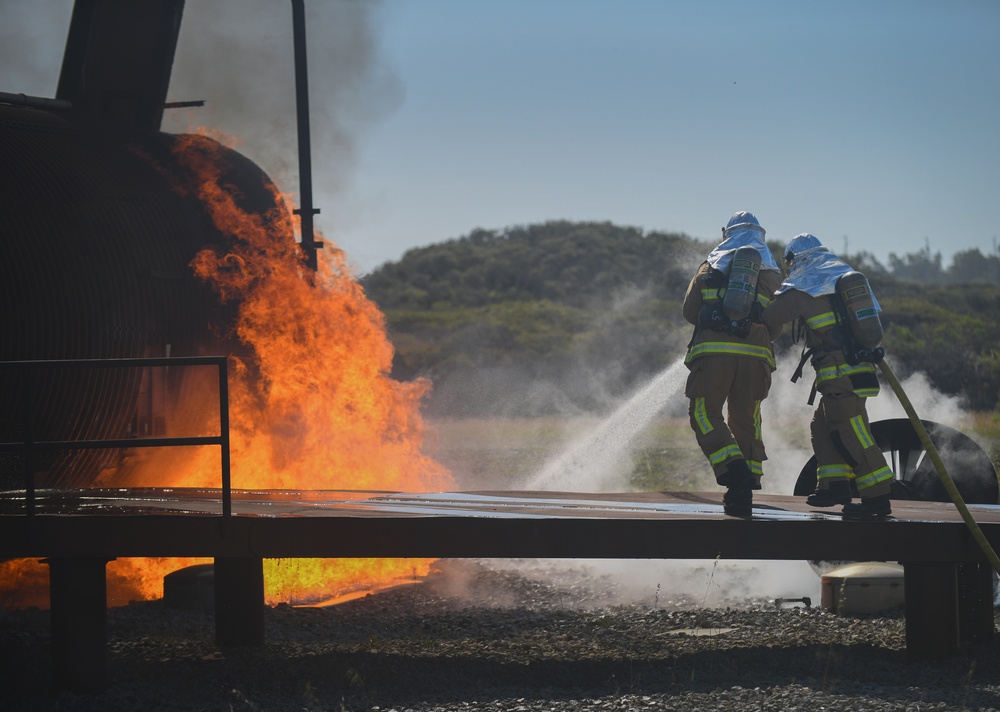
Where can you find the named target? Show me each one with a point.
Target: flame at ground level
(24, 582)
(304, 581)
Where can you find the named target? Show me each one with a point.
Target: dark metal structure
(306, 213)
(28, 374)
(118, 59)
(100, 222)
(949, 587)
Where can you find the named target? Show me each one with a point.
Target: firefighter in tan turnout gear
(730, 357)
(845, 374)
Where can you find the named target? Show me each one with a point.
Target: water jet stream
(599, 459)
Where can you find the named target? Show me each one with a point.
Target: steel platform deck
(949, 585)
(318, 524)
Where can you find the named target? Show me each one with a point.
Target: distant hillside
(565, 316)
(574, 264)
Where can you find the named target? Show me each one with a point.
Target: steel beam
(932, 628)
(239, 602)
(976, 597)
(79, 615)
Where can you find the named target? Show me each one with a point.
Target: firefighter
(731, 359)
(841, 435)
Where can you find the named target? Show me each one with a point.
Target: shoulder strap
(802, 362)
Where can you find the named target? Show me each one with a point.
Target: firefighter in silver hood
(840, 429)
(730, 357)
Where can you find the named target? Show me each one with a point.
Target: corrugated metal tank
(98, 242)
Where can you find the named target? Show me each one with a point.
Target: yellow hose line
(949, 483)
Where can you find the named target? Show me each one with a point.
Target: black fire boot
(738, 501)
(868, 508)
(838, 492)
(737, 475)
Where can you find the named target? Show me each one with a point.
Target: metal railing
(28, 445)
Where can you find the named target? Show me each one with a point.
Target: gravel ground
(525, 644)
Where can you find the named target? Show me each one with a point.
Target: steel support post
(975, 603)
(79, 618)
(239, 601)
(932, 617)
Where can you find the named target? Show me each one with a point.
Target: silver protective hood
(743, 235)
(815, 270)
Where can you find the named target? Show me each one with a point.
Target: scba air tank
(741, 290)
(862, 316)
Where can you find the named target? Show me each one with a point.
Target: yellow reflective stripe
(821, 320)
(839, 471)
(756, 421)
(830, 373)
(861, 432)
(849, 370)
(732, 348)
(714, 294)
(755, 467)
(701, 416)
(882, 474)
(866, 392)
(729, 451)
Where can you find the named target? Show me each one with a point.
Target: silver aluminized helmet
(799, 244)
(743, 219)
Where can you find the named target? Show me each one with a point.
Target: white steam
(929, 402)
(661, 584)
(602, 460)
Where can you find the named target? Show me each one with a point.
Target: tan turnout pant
(845, 448)
(742, 383)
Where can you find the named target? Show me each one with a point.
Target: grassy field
(499, 453)
(503, 453)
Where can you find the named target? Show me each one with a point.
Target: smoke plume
(239, 58)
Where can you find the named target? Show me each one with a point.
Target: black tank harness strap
(806, 354)
(802, 362)
(713, 317)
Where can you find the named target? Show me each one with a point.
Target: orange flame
(323, 412)
(314, 406)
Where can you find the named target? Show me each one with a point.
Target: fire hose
(946, 480)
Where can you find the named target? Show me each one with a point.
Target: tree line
(565, 315)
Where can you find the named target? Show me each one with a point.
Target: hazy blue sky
(874, 124)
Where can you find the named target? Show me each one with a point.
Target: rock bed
(524, 644)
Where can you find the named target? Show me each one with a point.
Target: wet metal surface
(338, 523)
(558, 505)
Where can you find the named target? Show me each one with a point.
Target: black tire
(916, 477)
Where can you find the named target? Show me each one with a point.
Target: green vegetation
(951, 333)
(566, 317)
(967, 267)
(575, 264)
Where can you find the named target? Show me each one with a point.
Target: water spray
(946, 480)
